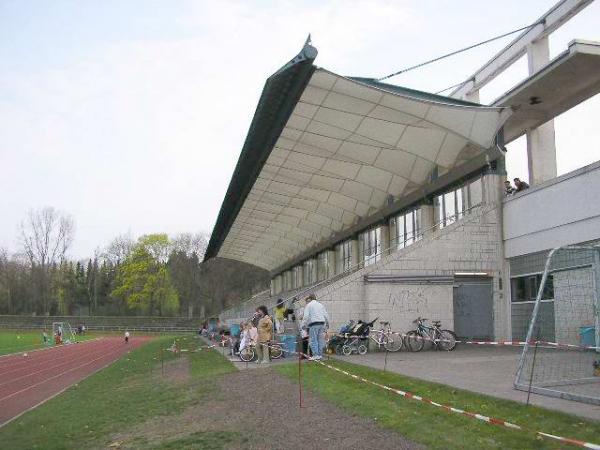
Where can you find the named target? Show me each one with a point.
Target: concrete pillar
(356, 253)
(493, 188)
(299, 276)
(331, 263)
(385, 240)
(427, 219)
(541, 143)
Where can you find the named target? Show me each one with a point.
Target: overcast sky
(130, 115)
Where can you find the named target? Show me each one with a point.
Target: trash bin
(587, 336)
(288, 342)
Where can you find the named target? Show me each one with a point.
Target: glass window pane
(418, 231)
(410, 230)
(400, 232)
(518, 290)
(449, 208)
(460, 202)
(438, 210)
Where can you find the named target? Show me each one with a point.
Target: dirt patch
(258, 410)
(175, 370)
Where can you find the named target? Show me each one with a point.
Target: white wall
(562, 211)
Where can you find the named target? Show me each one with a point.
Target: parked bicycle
(440, 339)
(248, 353)
(357, 341)
(384, 337)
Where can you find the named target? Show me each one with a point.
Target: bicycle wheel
(247, 354)
(338, 349)
(346, 350)
(415, 341)
(447, 340)
(276, 351)
(362, 349)
(393, 342)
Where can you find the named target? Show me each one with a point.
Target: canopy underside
(348, 146)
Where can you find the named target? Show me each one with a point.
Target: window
(343, 256)
(323, 266)
(453, 205)
(293, 278)
(371, 240)
(525, 289)
(408, 229)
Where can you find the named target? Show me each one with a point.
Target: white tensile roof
(348, 145)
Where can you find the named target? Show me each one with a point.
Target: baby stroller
(355, 339)
(336, 342)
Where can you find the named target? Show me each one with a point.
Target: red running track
(28, 381)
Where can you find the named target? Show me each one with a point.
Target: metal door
(473, 308)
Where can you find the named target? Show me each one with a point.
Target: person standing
(316, 320)
(127, 337)
(265, 334)
(279, 316)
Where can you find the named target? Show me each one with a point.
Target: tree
(143, 282)
(46, 235)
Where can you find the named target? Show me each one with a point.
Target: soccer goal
(566, 361)
(64, 332)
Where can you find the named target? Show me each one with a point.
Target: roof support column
(541, 144)
(355, 253)
(385, 239)
(330, 263)
(427, 219)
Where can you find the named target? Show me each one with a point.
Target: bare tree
(119, 249)
(189, 243)
(46, 235)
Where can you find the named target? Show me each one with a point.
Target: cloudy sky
(130, 115)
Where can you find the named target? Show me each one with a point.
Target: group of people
(259, 330)
(518, 187)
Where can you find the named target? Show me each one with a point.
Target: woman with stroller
(265, 334)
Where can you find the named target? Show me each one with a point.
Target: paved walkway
(484, 370)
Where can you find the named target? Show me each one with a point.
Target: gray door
(473, 308)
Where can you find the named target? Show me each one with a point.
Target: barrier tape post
(162, 362)
(300, 376)
(385, 360)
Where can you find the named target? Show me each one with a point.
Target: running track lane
(27, 381)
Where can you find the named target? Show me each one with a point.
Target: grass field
(127, 393)
(13, 341)
(436, 428)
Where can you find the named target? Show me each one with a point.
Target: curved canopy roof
(325, 151)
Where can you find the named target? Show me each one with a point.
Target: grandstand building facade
(389, 202)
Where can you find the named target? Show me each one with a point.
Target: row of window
(405, 229)
(525, 289)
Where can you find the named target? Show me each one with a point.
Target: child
(244, 337)
(127, 337)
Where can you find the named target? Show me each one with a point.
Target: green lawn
(89, 413)
(13, 341)
(432, 426)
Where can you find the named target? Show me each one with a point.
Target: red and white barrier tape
(487, 419)
(509, 343)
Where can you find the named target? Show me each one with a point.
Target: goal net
(64, 331)
(561, 355)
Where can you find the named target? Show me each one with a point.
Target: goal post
(566, 362)
(64, 330)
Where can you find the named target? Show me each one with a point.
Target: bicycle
(248, 353)
(384, 337)
(441, 339)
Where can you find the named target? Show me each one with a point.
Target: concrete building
(389, 202)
